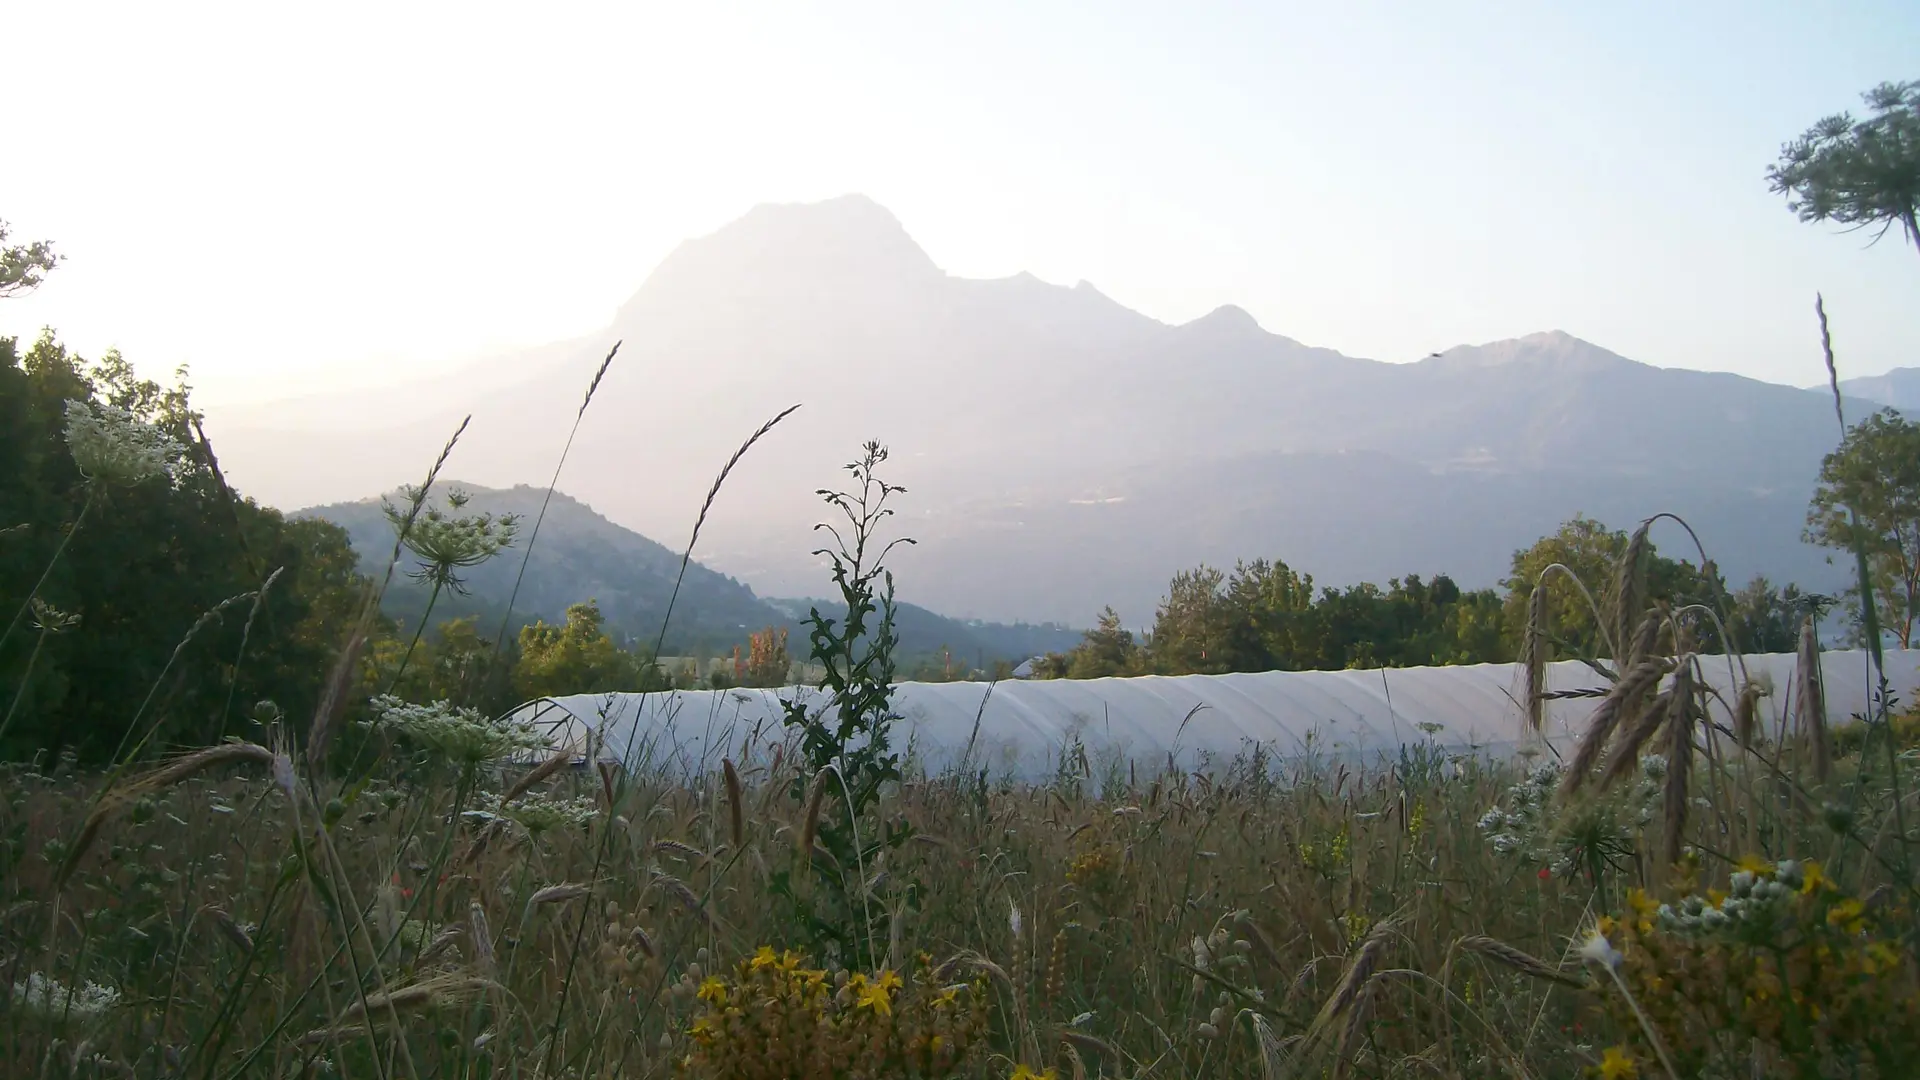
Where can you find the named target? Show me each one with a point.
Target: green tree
(1108, 649)
(23, 266)
(1876, 473)
(1591, 551)
(1191, 627)
(153, 575)
(1766, 619)
(1859, 173)
(577, 657)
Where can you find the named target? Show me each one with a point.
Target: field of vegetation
(251, 829)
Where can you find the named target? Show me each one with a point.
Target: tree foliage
(1860, 173)
(23, 266)
(1591, 551)
(1876, 473)
(144, 574)
(578, 657)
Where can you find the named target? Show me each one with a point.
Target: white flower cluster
(1755, 904)
(538, 813)
(464, 736)
(1521, 824)
(1527, 824)
(113, 446)
(50, 999)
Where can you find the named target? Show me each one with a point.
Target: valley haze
(1060, 451)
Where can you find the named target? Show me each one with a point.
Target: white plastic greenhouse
(1021, 729)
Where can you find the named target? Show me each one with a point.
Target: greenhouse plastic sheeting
(1022, 729)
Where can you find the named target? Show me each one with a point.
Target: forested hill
(579, 555)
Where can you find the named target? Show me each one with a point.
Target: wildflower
(713, 991)
(763, 958)
(1025, 1072)
(463, 736)
(443, 543)
(51, 620)
(1617, 1064)
(113, 446)
(1598, 950)
(51, 999)
(1812, 880)
(874, 996)
(1848, 915)
(539, 813)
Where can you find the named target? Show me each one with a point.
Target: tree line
(1267, 616)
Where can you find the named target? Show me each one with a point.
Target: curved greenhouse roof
(1024, 729)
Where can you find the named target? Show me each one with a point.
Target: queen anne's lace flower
(539, 813)
(462, 736)
(113, 446)
(51, 999)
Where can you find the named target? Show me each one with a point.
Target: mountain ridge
(1026, 418)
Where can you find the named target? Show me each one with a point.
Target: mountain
(580, 555)
(1059, 451)
(1899, 388)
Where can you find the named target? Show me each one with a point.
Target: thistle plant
(845, 747)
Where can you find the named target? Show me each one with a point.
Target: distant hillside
(1899, 388)
(580, 555)
(970, 642)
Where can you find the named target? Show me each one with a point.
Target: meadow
(395, 888)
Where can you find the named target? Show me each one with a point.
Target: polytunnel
(1024, 729)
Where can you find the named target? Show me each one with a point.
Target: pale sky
(358, 193)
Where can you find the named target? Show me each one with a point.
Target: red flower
(1545, 873)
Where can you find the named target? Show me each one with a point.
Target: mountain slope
(1060, 451)
(580, 555)
(1899, 388)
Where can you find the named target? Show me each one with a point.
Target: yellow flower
(1814, 880)
(945, 998)
(763, 958)
(1848, 915)
(887, 980)
(873, 997)
(1025, 1072)
(713, 991)
(1755, 865)
(1617, 1064)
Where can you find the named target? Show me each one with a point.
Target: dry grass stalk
(437, 990)
(1534, 657)
(1645, 639)
(736, 808)
(539, 775)
(1359, 970)
(1811, 706)
(159, 779)
(1746, 714)
(557, 894)
(1527, 964)
(1624, 701)
(1624, 760)
(1627, 597)
(810, 822)
(481, 935)
(231, 930)
(1258, 939)
(688, 899)
(333, 699)
(1080, 1040)
(1679, 761)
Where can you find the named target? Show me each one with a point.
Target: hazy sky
(289, 201)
